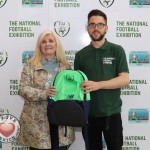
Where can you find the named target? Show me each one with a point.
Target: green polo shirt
(100, 64)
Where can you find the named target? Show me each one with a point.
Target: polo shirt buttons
(97, 57)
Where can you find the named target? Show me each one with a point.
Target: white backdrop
(129, 26)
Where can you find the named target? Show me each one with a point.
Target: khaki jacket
(35, 129)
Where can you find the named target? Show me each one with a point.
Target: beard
(97, 39)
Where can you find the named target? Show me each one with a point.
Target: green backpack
(67, 83)
(70, 106)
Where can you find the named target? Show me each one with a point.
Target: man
(106, 67)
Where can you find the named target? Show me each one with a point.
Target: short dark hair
(96, 12)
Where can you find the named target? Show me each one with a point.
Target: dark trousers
(111, 127)
(54, 140)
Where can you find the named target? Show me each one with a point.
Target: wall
(128, 22)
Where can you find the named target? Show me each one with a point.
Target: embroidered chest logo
(108, 60)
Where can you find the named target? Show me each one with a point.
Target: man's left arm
(120, 81)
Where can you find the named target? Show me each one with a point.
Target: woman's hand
(51, 91)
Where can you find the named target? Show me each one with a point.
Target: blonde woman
(35, 87)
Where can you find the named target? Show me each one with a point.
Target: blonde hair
(38, 57)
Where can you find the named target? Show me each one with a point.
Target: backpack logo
(106, 3)
(70, 77)
(70, 96)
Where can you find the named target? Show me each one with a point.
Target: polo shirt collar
(103, 47)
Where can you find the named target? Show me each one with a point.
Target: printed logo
(67, 3)
(26, 55)
(2, 3)
(14, 86)
(19, 146)
(70, 55)
(141, 3)
(3, 58)
(139, 58)
(106, 3)
(62, 28)
(138, 115)
(32, 3)
(3, 111)
(9, 128)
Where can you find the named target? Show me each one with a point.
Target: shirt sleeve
(122, 65)
(77, 65)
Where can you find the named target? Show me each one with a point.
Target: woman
(36, 78)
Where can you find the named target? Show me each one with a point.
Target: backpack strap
(84, 97)
(55, 79)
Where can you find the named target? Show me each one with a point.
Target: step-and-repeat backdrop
(129, 25)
